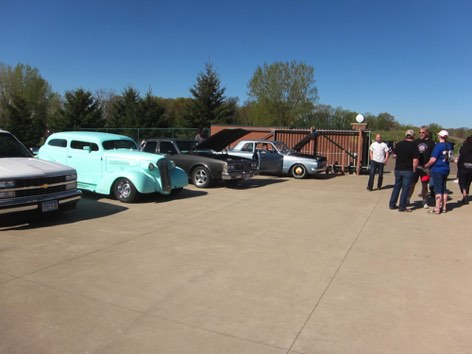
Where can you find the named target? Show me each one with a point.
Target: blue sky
(412, 59)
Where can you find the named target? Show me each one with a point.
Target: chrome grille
(163, 165)
(242, 166)
(39, 186)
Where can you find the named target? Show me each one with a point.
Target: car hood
(222, 139)
(19, 167)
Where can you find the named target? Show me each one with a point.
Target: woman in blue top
(439, 163)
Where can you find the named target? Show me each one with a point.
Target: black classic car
(207, 161)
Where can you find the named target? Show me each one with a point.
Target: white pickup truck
(31, 184)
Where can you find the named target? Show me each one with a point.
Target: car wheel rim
(299, 171)
(124, 190)
(201, 177)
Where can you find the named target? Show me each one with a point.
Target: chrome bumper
(13, 205)
(238, 175)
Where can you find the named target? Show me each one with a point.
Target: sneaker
(425, 206)
(407, 210)
(456, 180)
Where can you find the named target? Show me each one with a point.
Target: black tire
(125, 191)
(201, 177)
(298, 171)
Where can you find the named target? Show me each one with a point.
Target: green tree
(209, 104)
(81, 110)
(386, 121)
(126, 110)
(23, 90)
(435, 128)
(19, 115)
(174, 109)
(284, 91)
(153, 114)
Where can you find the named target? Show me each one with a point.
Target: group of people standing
(421, 160)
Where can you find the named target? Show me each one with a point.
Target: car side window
(248, 147)
(79, 145)
(58, 142)
(150, 146)
(167, 147)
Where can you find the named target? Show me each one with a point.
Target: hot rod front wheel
(125, 191)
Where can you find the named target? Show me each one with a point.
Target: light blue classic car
(111, 164)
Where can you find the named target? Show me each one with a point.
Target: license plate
(50, 205)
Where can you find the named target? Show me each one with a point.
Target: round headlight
(151, 166)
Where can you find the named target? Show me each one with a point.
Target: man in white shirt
(379, 154)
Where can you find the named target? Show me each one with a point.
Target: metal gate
(346, 151)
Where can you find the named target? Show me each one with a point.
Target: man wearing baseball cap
(439, 164)
(406, 162)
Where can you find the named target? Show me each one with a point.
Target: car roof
(97, 136)
(169, 139)
(259, 141)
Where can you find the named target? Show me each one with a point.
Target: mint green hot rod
(111, 164)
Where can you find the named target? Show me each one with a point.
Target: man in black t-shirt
(425, 146)
(407, 157)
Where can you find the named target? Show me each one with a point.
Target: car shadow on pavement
(160, 198)
(255, 183)
(324, 176)
(89, 207)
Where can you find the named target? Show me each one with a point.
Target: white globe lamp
(359, 118)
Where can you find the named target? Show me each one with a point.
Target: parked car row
(206, 162)
(114, 165)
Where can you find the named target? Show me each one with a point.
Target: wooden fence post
(360, 127)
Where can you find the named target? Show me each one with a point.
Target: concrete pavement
(274, 266)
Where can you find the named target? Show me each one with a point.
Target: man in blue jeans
(378, 152)
(407, 157)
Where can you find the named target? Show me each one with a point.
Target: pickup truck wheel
(298, 171)
(124, 190)
(201, 177)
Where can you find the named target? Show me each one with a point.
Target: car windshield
(10, 147)
(284, 149)
(119, 144)
(186, 145)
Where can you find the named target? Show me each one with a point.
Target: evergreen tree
(153, 114)
(20, 121)
(126, 110)
(209, 104)
(81, 110)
